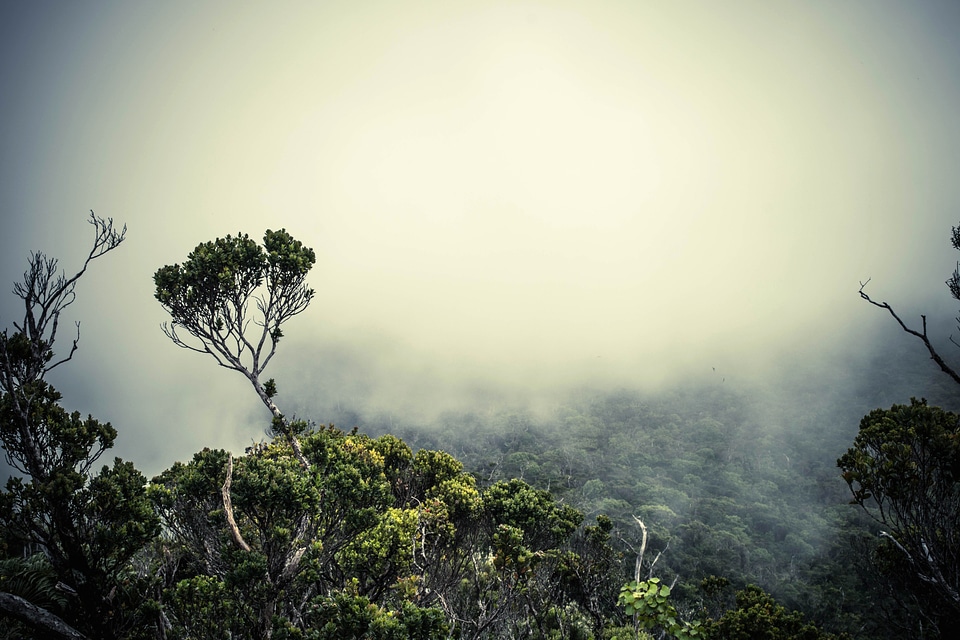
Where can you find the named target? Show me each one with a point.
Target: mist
(510, 202)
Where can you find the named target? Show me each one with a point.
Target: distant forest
(727, 481)
(705, 510)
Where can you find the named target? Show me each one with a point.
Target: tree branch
(37, 617)
(228, 507)
(936, 357)
(643, 549)
(936, 580)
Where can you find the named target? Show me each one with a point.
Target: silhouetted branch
(25, 356)
(936, 357)
(936, 579)
(46, 293)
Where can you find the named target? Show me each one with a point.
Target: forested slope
(735, 483)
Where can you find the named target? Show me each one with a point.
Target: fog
(509, 201)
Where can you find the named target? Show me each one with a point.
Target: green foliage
(346, 615)
(436, 466)
(33, 579)
(904, 459)
(210, 293)
(91, 527)
(649, 603)
(904, 470)
(380, 555)
(216, 274)
(544, 522)
(407, 541)
(45, 441)
(288, 261)
(759, 617)
(120, 515)
(204, 608)
(270, 387)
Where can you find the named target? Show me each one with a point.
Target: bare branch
(936, 580)
(922, 335)
(292, 564)
(643, 548)
(46, 294)
(228, 507)
(73, 349)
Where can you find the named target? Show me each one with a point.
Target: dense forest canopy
(701, 510)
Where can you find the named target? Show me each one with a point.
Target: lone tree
(232, 296)
(904, 471)
(87, 526)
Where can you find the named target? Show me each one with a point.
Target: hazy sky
(528, 194)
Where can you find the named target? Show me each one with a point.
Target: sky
(506, 198)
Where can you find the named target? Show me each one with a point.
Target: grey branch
(37, 617)
(643, 549)
(937, 579)
(228, 507)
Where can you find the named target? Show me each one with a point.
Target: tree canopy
(904, 470)
(233, 296)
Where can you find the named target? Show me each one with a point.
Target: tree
(758, 616)
(251, 558)
(904, 471)
(26, 355)
(89, 526)
(210, 296)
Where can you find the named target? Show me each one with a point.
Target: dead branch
(643, 549)
(228, 507)
(922, 335)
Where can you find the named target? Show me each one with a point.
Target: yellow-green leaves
(648, 601)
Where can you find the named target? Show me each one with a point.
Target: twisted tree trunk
(37, 617)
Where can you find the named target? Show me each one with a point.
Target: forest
(703, 510)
